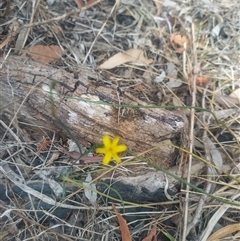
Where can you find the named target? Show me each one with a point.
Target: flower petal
(107, 158)
(115, 141)
(116, 158)
(120, 148)
(106, 141)
(100, 150)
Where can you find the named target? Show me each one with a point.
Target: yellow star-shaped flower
(111, 149)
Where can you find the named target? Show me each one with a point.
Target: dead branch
(42, 95)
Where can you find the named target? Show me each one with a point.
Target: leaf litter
(44, 54)
(133, 56)
(138, 43)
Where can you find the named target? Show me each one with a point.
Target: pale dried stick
(210, 173)
(191, 132)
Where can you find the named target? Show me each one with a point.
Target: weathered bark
(78, 103)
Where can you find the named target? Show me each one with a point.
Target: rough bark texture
(78, 103)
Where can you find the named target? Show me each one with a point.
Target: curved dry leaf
(177, 41)
(152, 234)
(235, 94)
(90, 190)
(134, 56)
(227, 101)
(44, 54)
(56, 187)
(174, 83)
(123, 226)
(224, 114)
(216, 30)
(223, 232)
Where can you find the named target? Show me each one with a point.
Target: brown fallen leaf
(152, 234)
(177, 41)
(43, 145)
(86, 159)
(123, 226)
(201, 80)
(134, 56)
(44, 54)
(223, 232)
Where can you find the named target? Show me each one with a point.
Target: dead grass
(209, 151)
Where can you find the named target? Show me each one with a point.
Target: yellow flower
(111, 149)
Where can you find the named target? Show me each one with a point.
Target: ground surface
(181, 55)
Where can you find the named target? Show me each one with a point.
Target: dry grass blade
(191, 133)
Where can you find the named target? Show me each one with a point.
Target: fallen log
(42, 95)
